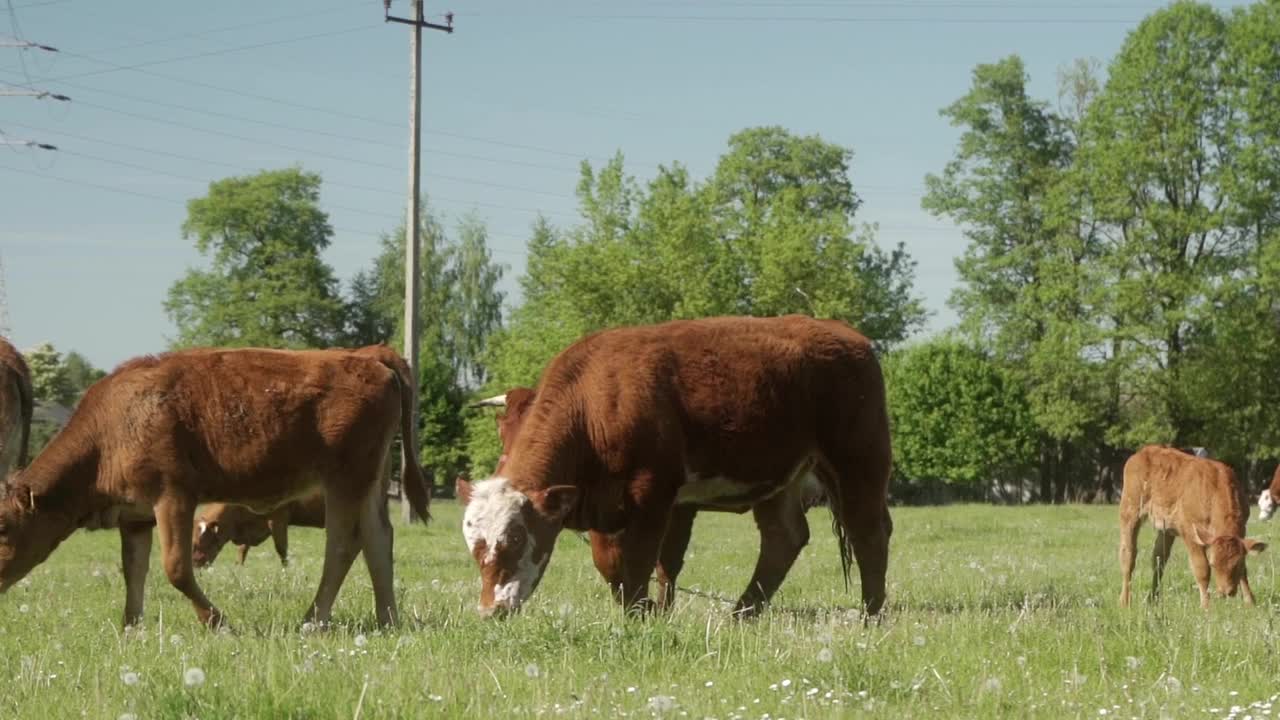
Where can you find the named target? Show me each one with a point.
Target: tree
(1026, 283)
(957, 417)
(267, 284)
(460, 308)
(1155, 153)
(80, 372)
(785, 210)
(50, 381)
(477, 300)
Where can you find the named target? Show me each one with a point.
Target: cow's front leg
(606, 552)
(671, 555)
(175, 517)
(135, 560)
(652, 500)
(1200, 569)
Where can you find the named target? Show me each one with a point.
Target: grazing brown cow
(632, 428)
(1270, 498)
(15, 410)
(1192, 497)
(220, 523)
(161, 435)
(516, 402)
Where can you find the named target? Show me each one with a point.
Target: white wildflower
(532, 670)
(24, 608)
(991, 684)
(662, 703)
(1133, 662)
(361, 640)
(193, 677)
(919, 641)
(825, 655)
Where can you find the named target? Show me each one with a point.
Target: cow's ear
(1253, 547)
(556, 501)
(463, 487)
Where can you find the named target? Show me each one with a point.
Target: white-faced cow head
(511, 534)
(1226, 557)
(1266, 504)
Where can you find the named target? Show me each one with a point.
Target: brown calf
(220, 523)
(1197, 499)
(634, 428)
(161, 435)
(15, 409)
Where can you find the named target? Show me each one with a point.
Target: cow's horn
(495, 401)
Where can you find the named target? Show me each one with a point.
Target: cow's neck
(62, 480)
(555, 455)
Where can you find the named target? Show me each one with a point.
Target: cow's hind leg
(279, 524)
(376, 536)
(784, 531)
(135, 560)
(244, 553)
(175, 518)
(1130, 523)
(1160, 558)
(856, 482)
(341, 545)
(671, 555)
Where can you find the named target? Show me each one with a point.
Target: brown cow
(633, 427)
(15, 410)
(1270, 497)
(160, 435)
(516, 402)
(220, 523)
(1192, 497)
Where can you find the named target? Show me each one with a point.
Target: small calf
(220, 523)
(1192, 497)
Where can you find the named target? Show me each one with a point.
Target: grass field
(993, 612)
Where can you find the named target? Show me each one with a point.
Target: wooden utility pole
(413, 240)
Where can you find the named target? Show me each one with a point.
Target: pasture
(993, 612)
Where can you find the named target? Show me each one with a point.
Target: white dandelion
(532, 670)
(361, 641)
(825, 655)
(130, 678)
(918, 640)
(193, 677)
(662, 703)
(1133, 662)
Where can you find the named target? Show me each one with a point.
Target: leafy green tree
(785, 207)
(957, 416)
(50, 381)
(80, 372)
(1155, 154)
(267, 284)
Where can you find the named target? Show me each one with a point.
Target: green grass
(993, 612)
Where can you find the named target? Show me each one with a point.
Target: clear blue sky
(170, 96)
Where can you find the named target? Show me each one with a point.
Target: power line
(182, 203)
(311, 131)
(823, 19)
(210, 53)
(329, 156)
(247, 169)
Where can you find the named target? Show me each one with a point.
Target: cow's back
(250, 423)
(1176, 490)
(736, 397)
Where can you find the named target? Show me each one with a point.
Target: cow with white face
(631, 431)
(1270, 498)
(511, 536)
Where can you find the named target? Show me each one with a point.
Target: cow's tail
(26, 403)
(411, 480)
